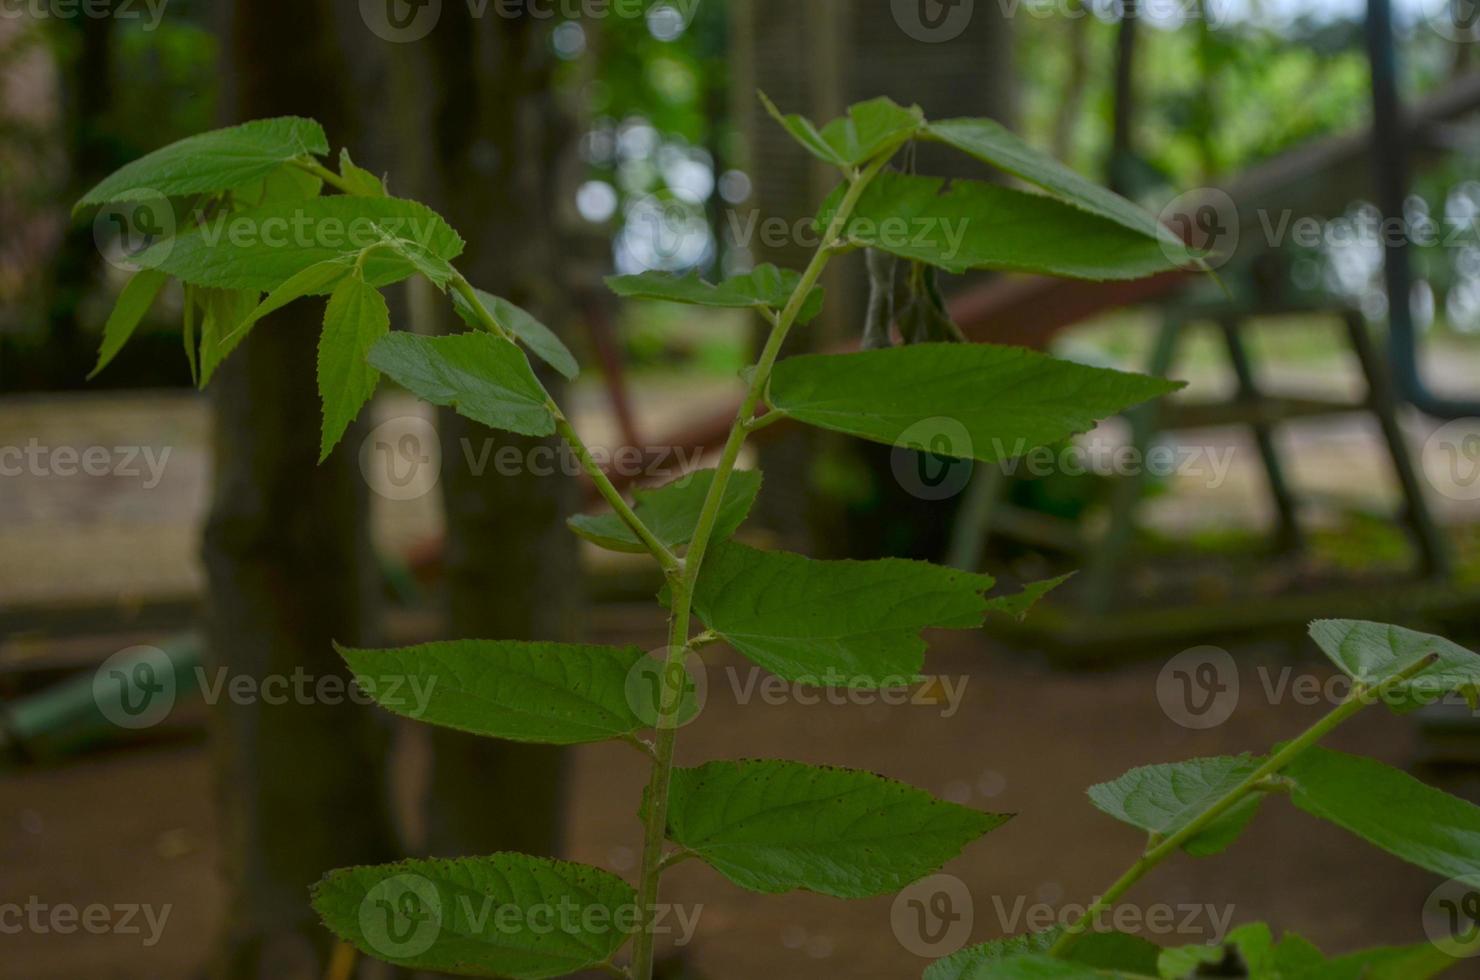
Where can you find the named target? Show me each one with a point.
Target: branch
(1256, 781)
(665, 558)
(682, 587)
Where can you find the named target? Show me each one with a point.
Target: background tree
(287, 551)
(484, 139)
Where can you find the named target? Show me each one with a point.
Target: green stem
(762, 374)
(677, 857)
(322, 172)
(1255, 782)
(655, 815)
(665, 558)
(655, 801)
(669, 562)
(672, 567)
(465, 289)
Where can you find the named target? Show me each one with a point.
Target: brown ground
(136, 826)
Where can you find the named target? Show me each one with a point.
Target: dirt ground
(136, 825)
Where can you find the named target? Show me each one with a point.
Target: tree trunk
(88, 98)
(497, 138)
(302, 786)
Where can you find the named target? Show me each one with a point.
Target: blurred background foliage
(663, 158)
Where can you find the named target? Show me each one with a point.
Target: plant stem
(322, 172)
(655, 800)
(671, 565)
(665, 557)
(1361, 697)
(669, 562)
(655, 815)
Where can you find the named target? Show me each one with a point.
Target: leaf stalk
(1360, 697)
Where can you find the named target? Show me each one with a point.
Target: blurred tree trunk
(87, 97)
(494, 137)
(1122, 128)
(1066, 120)
(302, 787)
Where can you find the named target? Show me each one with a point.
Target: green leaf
(134, 301)
(318, 279)
(555, 693)
(540, 339)
(483, 377)
(773, 826)
(1417, 962)
(1252, 950)
(286, 183)
(1163, 799)
(216, 161)
(356, 318)
(187, 332)
(1250, 946)
(869, 129)
(1294, 955)
(967, 224)
(507, 915)
(992, 143)
(833, 623)
(1370, 653)
(671, 512)
(1008, 400)
(1096, 950)
(1041, 966)
(975, 961)
(222, 311)
(360, 181)
(262, 248)
(1116, 951)
(1391, 810)
(436, 269)
(765, 287)
(1018, 604)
